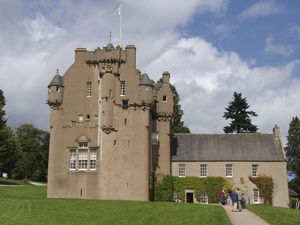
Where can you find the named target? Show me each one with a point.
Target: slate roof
(57, 81)
(225, 147)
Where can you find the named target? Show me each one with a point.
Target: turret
(146, 89)
(55, 91)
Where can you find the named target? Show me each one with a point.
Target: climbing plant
(167, 184)
(265, 185)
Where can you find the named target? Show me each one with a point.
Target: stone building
(110, 129)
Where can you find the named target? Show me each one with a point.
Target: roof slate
(225, 147)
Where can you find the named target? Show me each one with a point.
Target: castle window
(72, 162)
(203, 170)
(80, 118)
(74, 123)
(154, 138)
(122, 88)
(83, 145)
(125, 104)
(181, 170)
(256, 198)
(88, 117)
(203, 198)
(82, 159)
(88, 89)
(125, 121)
(254, 170)
(57, 88)
(164, 98)
(229, 172)
(110, 93)
(93, 159)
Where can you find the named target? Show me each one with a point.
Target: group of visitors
(235, 198)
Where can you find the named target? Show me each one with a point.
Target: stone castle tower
(110, 127)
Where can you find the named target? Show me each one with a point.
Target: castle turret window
(164, 98)
(88, 89)
(122, 88)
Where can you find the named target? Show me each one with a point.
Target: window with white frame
(229, 172)
(203, 170)
(256, 198)
(181, 170)
(72, 158)
(254, 170)
(93, 159)
(82, 159)
(88, 89)
(203, 198)
(122, 88)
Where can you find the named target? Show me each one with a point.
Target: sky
(211, 49)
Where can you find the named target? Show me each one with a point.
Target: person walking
(240, 199)
(222, 196)
(234, 199)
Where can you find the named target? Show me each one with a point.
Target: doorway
(190, 197)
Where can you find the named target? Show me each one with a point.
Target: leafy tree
(34, 156)
(239, 115)
(9, 151)
(293, 153)
(177, 125)
(2, 112)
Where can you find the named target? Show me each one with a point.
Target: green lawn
(27, 204)
(276, 215)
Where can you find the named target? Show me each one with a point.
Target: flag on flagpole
(117, 12)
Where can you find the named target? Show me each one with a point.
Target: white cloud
(275, 48)
(206, 79)
(264, 9)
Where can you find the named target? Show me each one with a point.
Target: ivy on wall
(164, 187)
(265, 185)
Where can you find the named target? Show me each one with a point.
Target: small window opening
(125, 121)
(164, 98)
(88, 117)
(125, 104)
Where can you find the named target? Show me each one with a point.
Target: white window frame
(255, 170)
(88, 89)
(256, 198)
(93, 159)
(72, 159)
(181, 170)
(122, 88)
(203, 170)
(229, 170)
(82, 159)
(203, 198)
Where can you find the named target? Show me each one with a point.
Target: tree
(239, 115)
(293, 153)
(2, 112)
(9, 151)
(177, 125)
(33, 162)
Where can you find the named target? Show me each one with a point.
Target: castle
(110, 130)
(110, 127)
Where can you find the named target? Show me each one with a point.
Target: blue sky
(211, 49)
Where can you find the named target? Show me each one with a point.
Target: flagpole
(121, 25)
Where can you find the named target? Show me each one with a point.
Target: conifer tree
(293, 153)
(238, 112)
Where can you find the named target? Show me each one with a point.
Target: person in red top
(222, 196)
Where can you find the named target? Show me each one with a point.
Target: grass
(4, 181)
(27, 204)
(276, 215)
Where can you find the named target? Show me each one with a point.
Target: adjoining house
(235, 157)
(110, 130)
